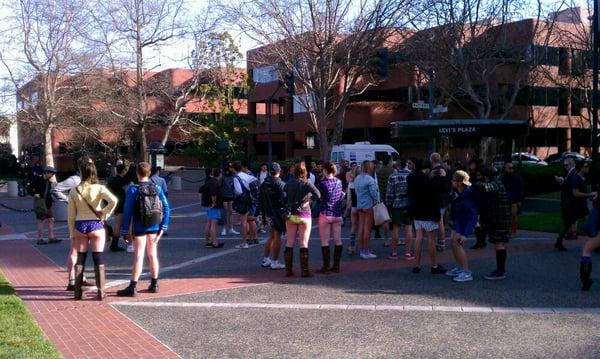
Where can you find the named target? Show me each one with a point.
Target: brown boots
(337, 256)
(288, 255)
(326, 260)
(100, 281)
(304, 263)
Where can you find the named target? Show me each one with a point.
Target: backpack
(149, 207)
(241, 202)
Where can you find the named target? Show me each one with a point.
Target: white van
(361, 151)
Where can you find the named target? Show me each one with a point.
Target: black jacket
(272, 197)
(298, 191)
(424, 197)
(42, 187)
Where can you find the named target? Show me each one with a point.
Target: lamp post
(595, 81)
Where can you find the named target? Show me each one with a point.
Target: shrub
(539, 179)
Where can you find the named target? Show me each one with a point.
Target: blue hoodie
(129, 211)
(464, 211)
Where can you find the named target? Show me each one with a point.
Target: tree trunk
(143, 144)
(48, 150)
(324, 148)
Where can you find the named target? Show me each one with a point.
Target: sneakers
(394, 256)
(54, 240)
(266, 262)
(416, 270)
(495, 275)
(438, 270)
(402, 242)
(367, 255)
(408, 256)
(463, 276)
(41, 242)
(233, 231)
(242, 246)
(224, 232)
(454, 272)
(153, 288)
(277, 265)
(130, 248)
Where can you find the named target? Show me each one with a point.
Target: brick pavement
(95, 329)
(82, 329)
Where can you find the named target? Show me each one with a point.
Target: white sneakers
(233, 231)
(367, 255)
(242, 246)
(266, 262)
(460, 275)
(224, 232)
(130, 248)
(277, 265)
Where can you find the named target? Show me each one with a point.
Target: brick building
(170, 81)
(550, 59)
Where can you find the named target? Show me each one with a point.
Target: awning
(456, 128)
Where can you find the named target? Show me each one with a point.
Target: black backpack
(149, 207)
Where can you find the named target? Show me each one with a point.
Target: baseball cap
(49, 169)
(275, 167)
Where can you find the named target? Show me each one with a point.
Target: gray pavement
(538, 279)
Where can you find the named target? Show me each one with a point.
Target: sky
(168, 57)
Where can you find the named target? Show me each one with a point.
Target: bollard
(13, 189)
(175, 183)
(60, 210)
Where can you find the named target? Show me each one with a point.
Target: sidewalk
(83, 329)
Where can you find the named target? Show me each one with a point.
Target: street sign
(420, 105)
(440, 109)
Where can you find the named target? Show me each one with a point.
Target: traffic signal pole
(595, 82)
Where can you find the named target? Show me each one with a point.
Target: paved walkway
(83, 329)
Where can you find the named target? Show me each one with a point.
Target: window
(564, 67)
(545, 55)
(578, 101)
(301, 102)
(310, 141)
(266, 74)
(381, 155)
(563, 103)
(581, 60)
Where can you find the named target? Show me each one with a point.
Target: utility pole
(595, 82)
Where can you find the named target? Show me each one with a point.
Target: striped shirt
(331, 197)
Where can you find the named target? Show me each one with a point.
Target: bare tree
(471, 49)
(212, 76)
(40, 53)
(127, 30)
(327, 45)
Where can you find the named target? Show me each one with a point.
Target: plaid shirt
(331, 197)
(396, 195)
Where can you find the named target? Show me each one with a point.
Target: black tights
(98, 258)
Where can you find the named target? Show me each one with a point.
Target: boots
(288, 255)
(100, 280)
(585, 271)
(337, 256)
(304, 263)
(326, 259)
(153, 288)
(559, 244)
(114, 245)
(78, 281)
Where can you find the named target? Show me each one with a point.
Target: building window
(545, 55)
(563, 101)
(265, 74)
(301, 103)
(581, 62)
(564, 66)
(578, 101)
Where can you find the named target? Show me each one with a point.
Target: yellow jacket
(95, 194)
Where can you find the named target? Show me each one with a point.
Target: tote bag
(380, 214)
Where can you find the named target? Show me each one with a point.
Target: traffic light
(290, 83)
(382, 63)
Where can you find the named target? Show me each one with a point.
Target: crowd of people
(422, 197)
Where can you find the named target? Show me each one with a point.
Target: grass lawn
(544, 222)
(20, 336)
(550, 195)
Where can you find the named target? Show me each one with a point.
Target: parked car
(360, 151)
(559, 157)
(523, 158)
